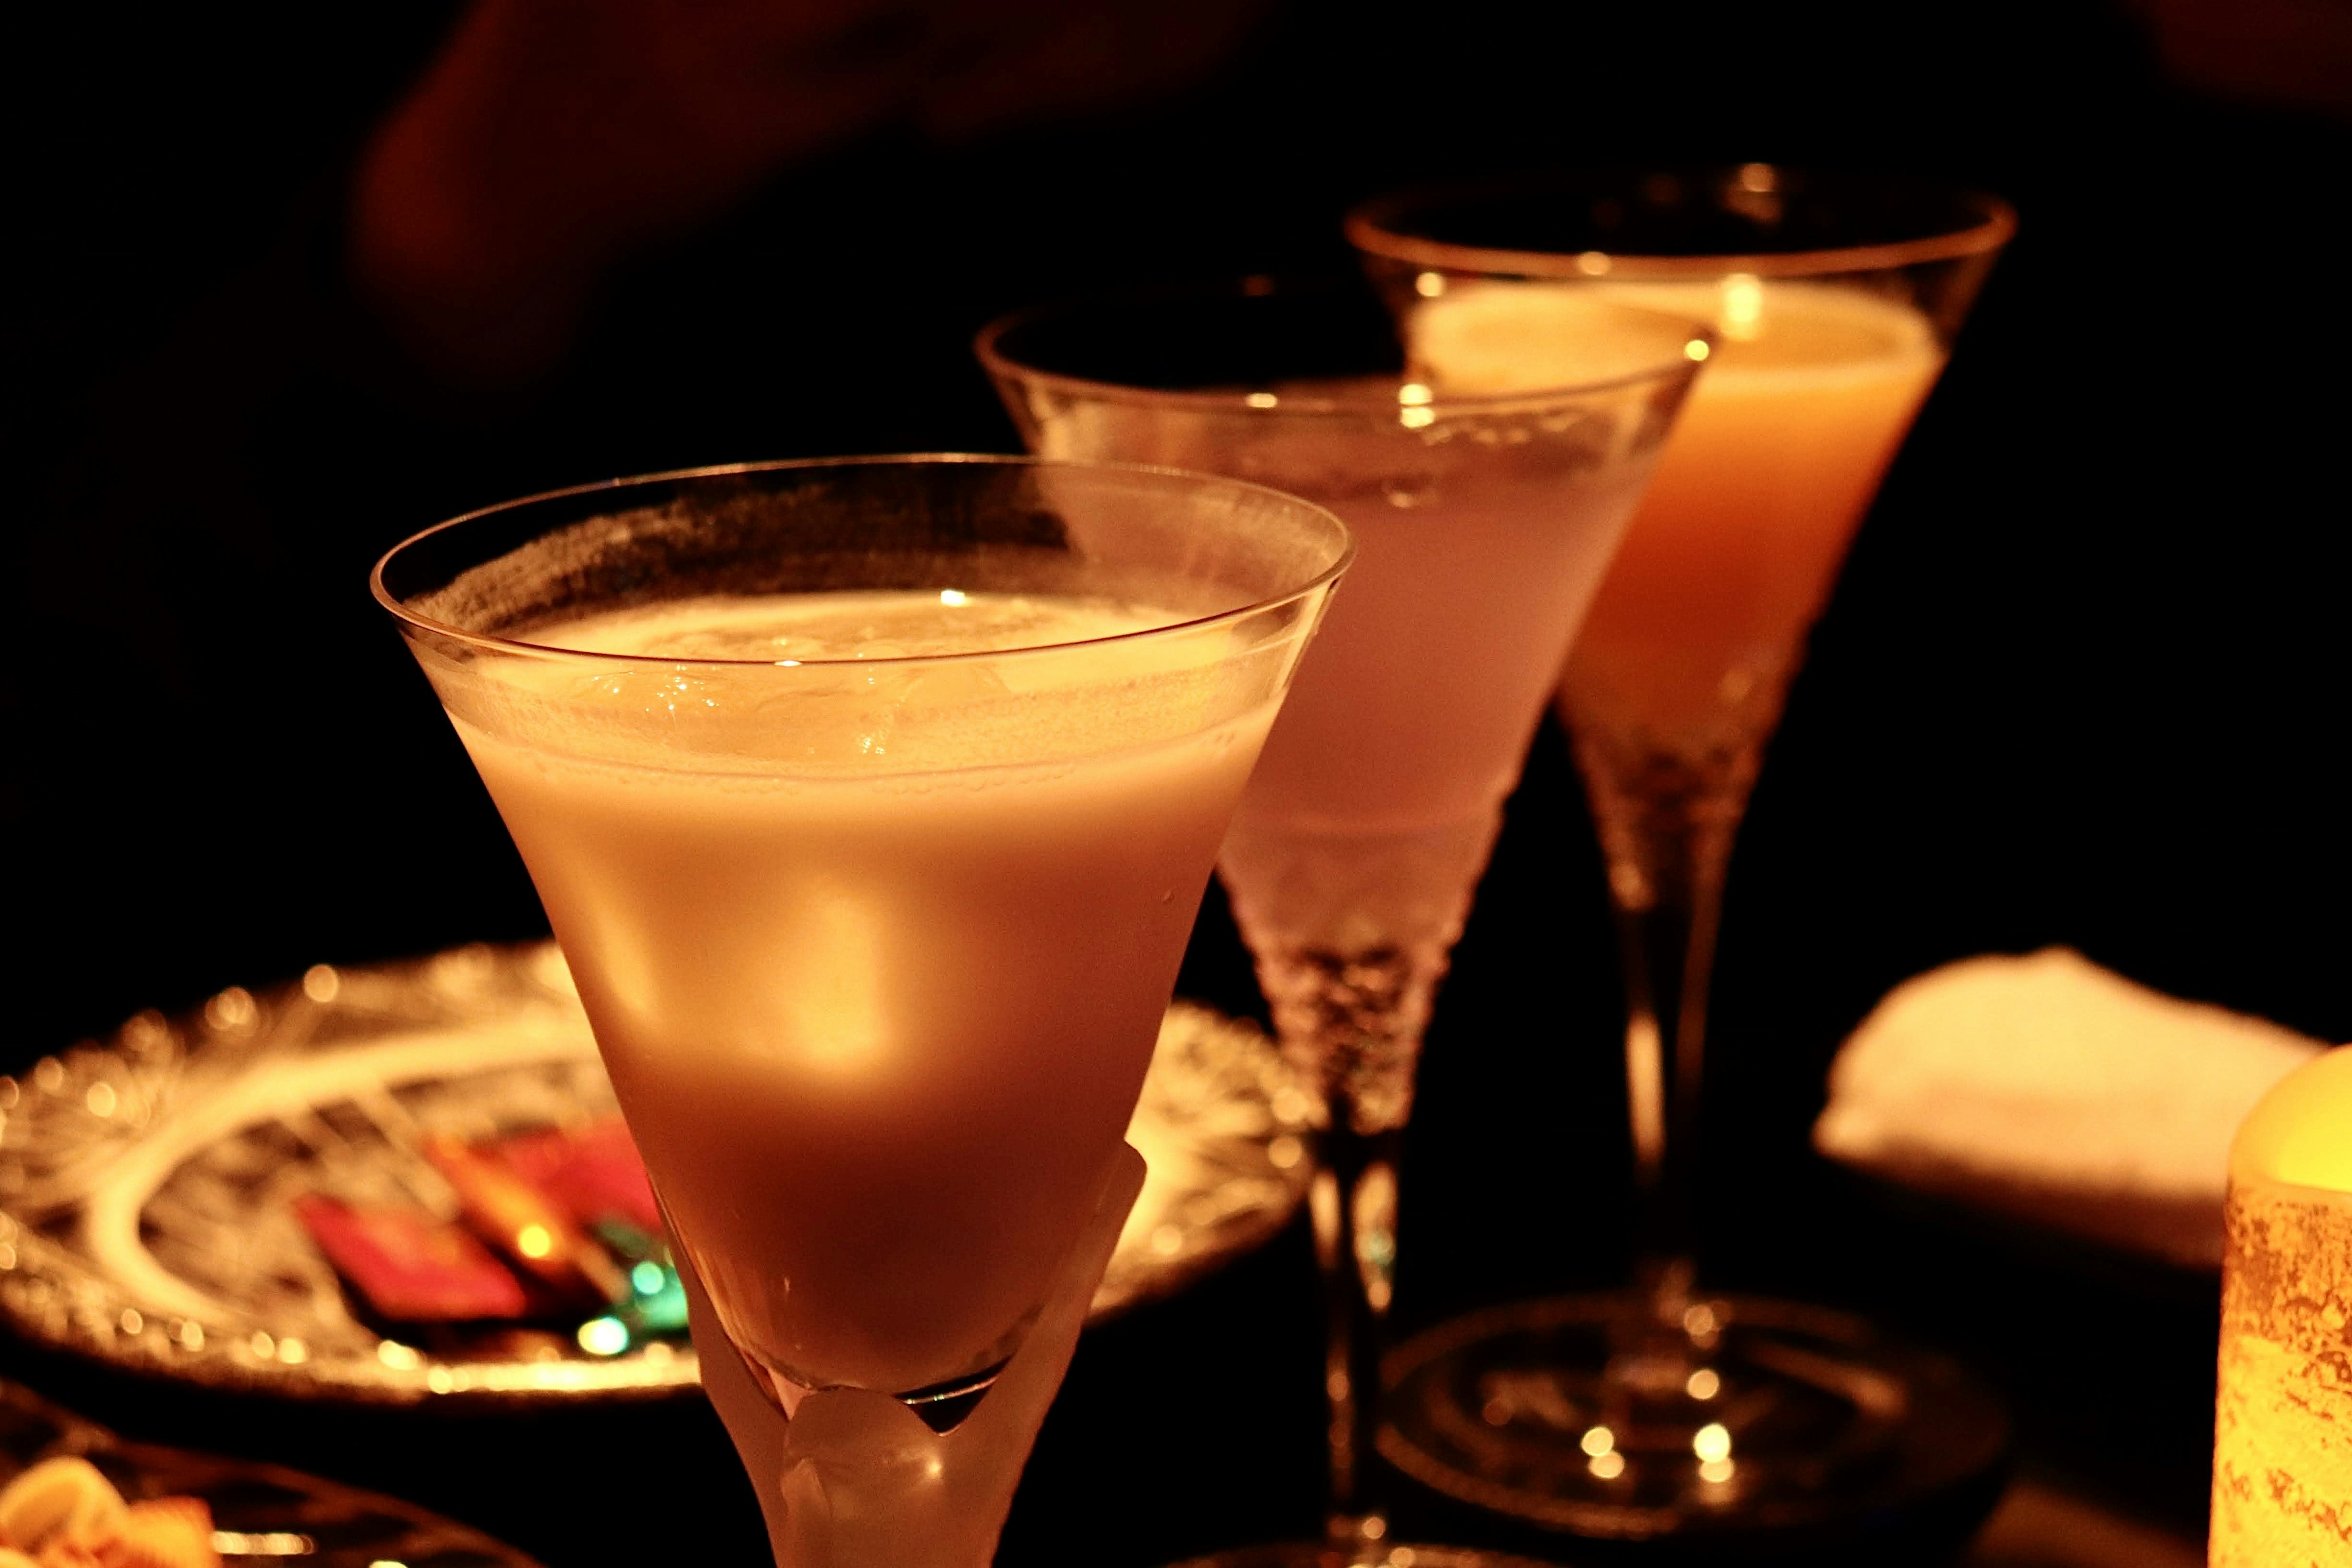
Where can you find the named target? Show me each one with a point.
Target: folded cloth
(2050, 1088)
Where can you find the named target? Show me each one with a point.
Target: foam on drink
(875, 953)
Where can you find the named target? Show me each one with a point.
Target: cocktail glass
(871, 802)
(1835, 302)
(1483, 525)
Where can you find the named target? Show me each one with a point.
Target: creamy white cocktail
(871, 803)
(875, 983)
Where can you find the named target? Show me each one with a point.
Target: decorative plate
(260, 1513)
(146, 1185)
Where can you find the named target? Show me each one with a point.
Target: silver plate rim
(1244, 1110)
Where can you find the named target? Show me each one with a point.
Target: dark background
(2084, 680)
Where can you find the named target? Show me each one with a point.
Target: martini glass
(1483, 525)
(871, 802)
(1835, 302)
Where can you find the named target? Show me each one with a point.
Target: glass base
(1311, 1554)
(1585, 1416)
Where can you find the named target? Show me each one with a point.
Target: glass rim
(986, 346)
(412, 620)
(1371, 229)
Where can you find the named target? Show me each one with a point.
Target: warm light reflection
(1607, 1466)
(534, 1241)
(263, 1543)
(2302, 1136)
(952, 597)
(1712, 1441)
(1741, 315)
(1429, 285)
(233, 1011)
(1697, 349)
(1645, 1083)
(1703, 1383)
(836, 994)
(1598, 1440)
(603, 1336)
(1375, 1209)
(1716, 1471)
(1412, 394)
(1261, 400)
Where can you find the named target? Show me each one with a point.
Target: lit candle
(2283, 1429)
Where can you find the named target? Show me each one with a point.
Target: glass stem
(1667, 831)
(1352, 1026)
(1354, 1205)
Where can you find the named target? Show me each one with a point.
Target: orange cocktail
(1732, 553)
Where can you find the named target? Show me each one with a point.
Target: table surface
(2036, 1527)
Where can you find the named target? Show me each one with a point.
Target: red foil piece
(412, 1267)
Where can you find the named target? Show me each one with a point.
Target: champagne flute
(1483, 526)
(1835, 301)
(871, 802)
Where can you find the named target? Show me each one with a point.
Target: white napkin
(2052, 1088)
